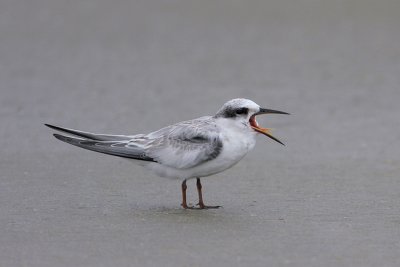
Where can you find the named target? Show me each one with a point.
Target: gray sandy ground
(330, 197)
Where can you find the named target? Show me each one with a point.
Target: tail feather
(91, 136)
(116, 148)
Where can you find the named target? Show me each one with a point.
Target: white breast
(236, 145)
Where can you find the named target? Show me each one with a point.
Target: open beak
(265, 131)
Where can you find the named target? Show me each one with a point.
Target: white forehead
(242, 102)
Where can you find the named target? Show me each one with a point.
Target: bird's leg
(201, 203)
(184, 187)
(198, 184)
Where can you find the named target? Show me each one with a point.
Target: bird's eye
(242, 111)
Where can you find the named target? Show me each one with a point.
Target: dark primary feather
(115, 148)
(92, 136)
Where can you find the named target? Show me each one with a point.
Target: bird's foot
(205, 207)
(200, 207)
(185, 206)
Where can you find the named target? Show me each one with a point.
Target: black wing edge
(105, 147)
(92, 136)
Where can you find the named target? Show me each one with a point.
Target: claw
(185, 206)
(205, 207)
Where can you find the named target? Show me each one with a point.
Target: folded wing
(183, 145)
(186, 144)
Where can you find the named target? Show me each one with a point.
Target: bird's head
(244, 112)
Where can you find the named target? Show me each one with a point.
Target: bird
(190, 149)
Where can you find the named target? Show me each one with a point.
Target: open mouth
(266, 131)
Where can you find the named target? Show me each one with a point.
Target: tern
(186, 150)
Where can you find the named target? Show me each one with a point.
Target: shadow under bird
(185, 150)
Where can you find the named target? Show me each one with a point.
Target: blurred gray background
(330, 197)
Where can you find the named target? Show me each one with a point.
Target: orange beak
(265, 131)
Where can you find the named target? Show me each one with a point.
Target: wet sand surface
(330, 197)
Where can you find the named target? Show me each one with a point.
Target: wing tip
(53, 127)
(66, 139)
(71, 131)
(61, 137)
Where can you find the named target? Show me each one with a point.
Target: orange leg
(184, 187)
(201, 203)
